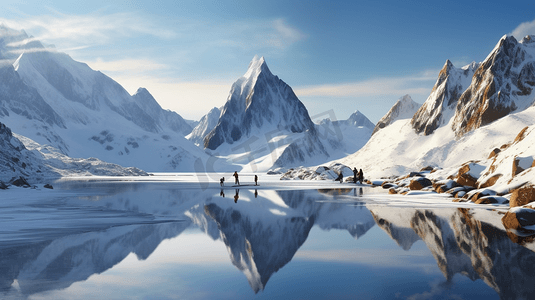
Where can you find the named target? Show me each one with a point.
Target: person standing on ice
(236, 180)
(355, 175)
(361, 176)
(255, 180)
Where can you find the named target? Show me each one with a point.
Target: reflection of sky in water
(330, 264)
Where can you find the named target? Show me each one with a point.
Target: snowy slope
(20, 156)
(52, 99)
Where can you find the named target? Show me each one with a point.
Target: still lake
(162, 240)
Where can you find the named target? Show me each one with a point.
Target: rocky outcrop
(440, 105)
(500, 85)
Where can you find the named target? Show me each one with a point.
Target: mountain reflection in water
(262, 232)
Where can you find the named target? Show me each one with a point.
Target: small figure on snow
(340, 177)
(255, 180)
(355, 175)
(236, 181)
(361, 176)
(222, 181)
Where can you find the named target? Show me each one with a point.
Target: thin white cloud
(88, 29)
(373, 87)
(526, 28)
(130, 66)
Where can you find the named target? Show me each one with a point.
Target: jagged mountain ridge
(503, 83)
(440, 106)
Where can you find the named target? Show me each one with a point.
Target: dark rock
(21, 182)
(48, 186)
(3, 186)
(428, 168)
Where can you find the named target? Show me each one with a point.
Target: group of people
(358, 175)
(236, 179)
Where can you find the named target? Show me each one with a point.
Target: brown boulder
(521, 135)
(392, 191)
(494, 152)
(522, 196)
(519, 218)
(517, 169)
(490, 182)
(486, 200)
(420, 183)
(467, 179)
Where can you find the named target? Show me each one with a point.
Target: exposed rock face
(404, 108)
(440, 105)
(15, 159)
(501, 84)
(258, 101)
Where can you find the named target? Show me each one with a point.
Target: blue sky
(340, 55)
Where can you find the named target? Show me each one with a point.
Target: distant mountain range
(53, 100)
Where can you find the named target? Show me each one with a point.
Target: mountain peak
(256, 66)
(258, 100)
(404, 108)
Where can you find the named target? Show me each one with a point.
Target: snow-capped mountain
(263, 124)
(496, 105)
(440, 106)
(356, 119)
(205, 125)
(52, 99)
(167, 118)
(502, 83)
(404, 108)
(259, 101)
